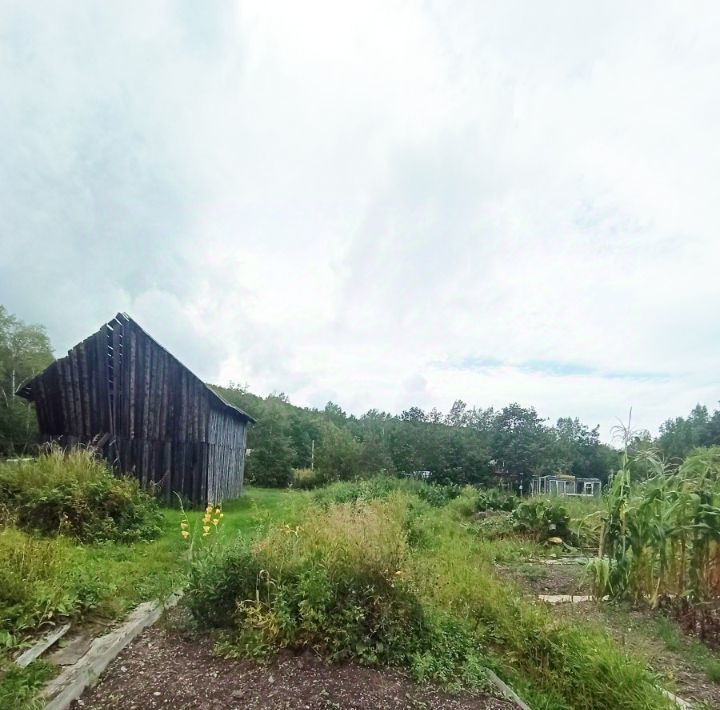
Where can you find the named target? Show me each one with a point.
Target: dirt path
(541, 578)
(167, 668)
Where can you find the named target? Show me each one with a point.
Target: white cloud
(345, 200)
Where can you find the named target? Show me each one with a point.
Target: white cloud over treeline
(383, 203)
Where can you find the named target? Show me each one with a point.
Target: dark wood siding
(149, 415)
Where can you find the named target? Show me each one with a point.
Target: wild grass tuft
(76, 494)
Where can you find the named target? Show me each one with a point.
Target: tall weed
(395, 581)
(76, 494)
(44, 579)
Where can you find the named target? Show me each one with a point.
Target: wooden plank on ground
(34, 652)
(60, 692)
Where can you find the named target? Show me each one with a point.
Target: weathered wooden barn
(150, 416)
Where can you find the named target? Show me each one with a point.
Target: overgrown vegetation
(542, 519)
(494, 499)
(52, 579)
(392, 580)
(44, 579)
(77, 495)
(364, 490)
(660, 537)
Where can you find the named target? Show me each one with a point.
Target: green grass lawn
(148, 570)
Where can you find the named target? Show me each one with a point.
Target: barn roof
(26, 390)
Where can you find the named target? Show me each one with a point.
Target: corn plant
(661, 537)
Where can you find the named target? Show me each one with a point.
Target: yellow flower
(205, 534)
(183, 525)
(217, 511)
(206, 518)
(398, 573)
(216, 521)
(208, 509)
(185, 534)
(222, 515)
(206, 529)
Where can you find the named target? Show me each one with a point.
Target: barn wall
(226, 464)
(151, 416)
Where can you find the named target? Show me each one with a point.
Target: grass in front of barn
(50, 578)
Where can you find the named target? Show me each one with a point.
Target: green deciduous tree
(522, 444)
(24, 352)
(271, 456)
(339, 455)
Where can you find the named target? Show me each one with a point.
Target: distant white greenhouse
(565, 485)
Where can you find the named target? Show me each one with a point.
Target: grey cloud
(309, 199)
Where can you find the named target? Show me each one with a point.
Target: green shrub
(219, 580)
(495, 526)
(335, 585)
(541, 519)
(306, 479)
(76, 494)
(379, 487)
(450, 654)
(363, 490)
(439, 495)
(339, 586)
(494, 499)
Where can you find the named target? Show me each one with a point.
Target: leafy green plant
(77, 495)
(439, 495)
(43, 579)
(494, 499)
(541, 519)
(18, 686)
(218, 580)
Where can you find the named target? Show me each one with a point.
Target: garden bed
(168, 667)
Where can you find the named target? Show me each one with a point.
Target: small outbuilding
(565, 485)
(152, 418)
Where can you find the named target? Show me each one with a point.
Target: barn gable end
(150, 416)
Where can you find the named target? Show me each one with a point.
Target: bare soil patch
(541, 578)
(165, 667)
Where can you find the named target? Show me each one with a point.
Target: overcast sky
(383, 203)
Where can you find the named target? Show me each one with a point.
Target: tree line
(465, 445)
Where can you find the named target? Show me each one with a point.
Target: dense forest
(465, 445)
